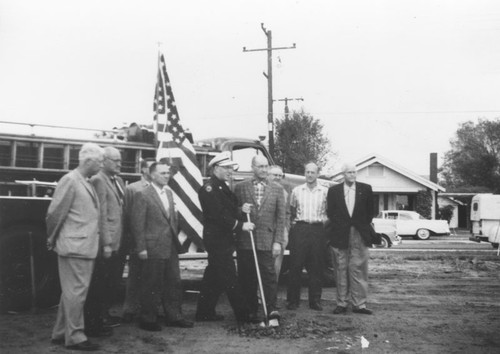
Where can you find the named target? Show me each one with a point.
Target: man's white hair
(90, 151)
(348, 165)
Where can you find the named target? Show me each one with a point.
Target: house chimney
(433, 173)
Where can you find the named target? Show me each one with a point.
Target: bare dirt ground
(439, 303)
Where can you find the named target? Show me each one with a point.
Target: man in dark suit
(131, 302)
(73, 233)
(108, 270)
(350, 211)
(154, 227)
(221, 222)
(265, 202)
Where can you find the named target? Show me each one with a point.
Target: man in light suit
(131, 303)
(350, 211)
(108, 270)
(73, 232)
(154, 228)
(265, 202)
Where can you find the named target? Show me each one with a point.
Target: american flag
(174, 146)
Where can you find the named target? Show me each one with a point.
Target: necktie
(118, 187)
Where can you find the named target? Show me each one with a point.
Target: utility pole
(269, 77)
(286, 99)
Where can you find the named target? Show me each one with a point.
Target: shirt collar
(353, 187)
(158, 189)
(256, 181)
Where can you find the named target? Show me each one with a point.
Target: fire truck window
(5, 153)
(27, 154)
(53, 156)
(74, 150)
(243, 156)
(128, 160)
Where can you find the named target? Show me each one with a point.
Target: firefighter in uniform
(222, 222)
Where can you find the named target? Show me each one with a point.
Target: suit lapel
(89, 189)
(342, 201)
(112, 187)
(251, 190)
(359, 195)
(156, 198)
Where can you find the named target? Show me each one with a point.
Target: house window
(376, 170)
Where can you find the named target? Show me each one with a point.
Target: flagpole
(156, 94)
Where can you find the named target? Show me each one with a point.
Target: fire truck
(33, 161)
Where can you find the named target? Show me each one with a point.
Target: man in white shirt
(307, 238)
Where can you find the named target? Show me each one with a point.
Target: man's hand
(143, 255)
(276, 249)
(248, 226)
(106, 251)
(246, 208)
(50, 246)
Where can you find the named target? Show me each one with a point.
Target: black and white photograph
(234, 176)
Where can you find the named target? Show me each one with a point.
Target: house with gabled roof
(394, 187)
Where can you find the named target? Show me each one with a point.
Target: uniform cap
(222, 159)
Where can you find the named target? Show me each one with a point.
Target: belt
(309, 223)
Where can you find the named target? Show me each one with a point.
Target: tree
(473, 163)
(423, 204)
(300, 139)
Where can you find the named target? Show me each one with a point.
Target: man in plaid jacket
(265, 202)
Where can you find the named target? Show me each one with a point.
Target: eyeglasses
(114, 160)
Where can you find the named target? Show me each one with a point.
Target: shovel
(269, 322)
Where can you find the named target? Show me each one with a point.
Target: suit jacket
(269, 218)
(111, 214)
(73, 218)
(131, 192)
(221, 217)
(341, 221)
(152, 229)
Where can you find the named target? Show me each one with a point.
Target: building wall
(389, 183)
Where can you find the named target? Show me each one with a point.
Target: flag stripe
(185, 194)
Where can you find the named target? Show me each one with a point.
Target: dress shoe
(112, 321)
(150, 326)
(315, 306)
(274, 315)
(85, 346)
(292, 306)
(339, 309)
(182, 323)
(99, 332)
(58, 341)
(210, 318)
(363, 311)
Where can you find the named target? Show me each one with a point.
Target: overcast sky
(389, 77)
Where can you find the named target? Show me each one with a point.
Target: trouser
(307, 248)
(219, 277)
(74, 276)
(161, 284)
(278, 260)
(352, 271)
(247, 277)
(103, 290)
(131, 304)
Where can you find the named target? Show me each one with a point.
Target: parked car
(389, 235)
(411, 223)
